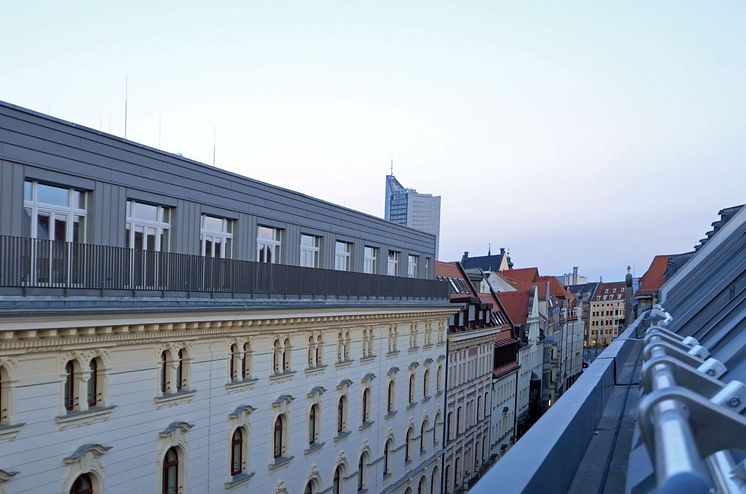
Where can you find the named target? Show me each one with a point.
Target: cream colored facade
(606, 313)
(225, 371)
(468, 408)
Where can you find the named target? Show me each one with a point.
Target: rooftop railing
(42, 265)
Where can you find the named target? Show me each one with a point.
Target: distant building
(410, 208)
(472, 333)
(490, 262)
(607, 313)
(583, 294)
(573, 278)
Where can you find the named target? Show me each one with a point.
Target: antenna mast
(125, 105)
(392, 166)
(214, 136)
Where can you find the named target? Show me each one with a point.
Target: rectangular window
(342, 251)
(268, 244)
(427, 267)
(216, 237)
(371, 260)
(412, 266)
(148, 226)
(309, 251)
(393, 264)
(53, 213)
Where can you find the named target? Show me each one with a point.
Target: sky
(590, 134)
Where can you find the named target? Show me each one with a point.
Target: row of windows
(466, 417)
(59, 214)
(607, 313)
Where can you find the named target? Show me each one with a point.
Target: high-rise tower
(410, 208)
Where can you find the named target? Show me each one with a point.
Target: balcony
(663, 408)
(32, 268)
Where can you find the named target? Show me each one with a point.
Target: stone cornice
(56, 333)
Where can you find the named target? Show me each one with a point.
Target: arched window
(340, 347)
(447, 479)
(311, 351)
(387, 456)
(423, 439)
(180, 371)
(476, 456)
(319, 350)
(348, 344)
(408, 445)
(435, 428)
(237, 452)
(408, 491)
(426, 383)
(411, 388)
(171, 472)
(390, 406)
(486, 404)
(277, 357)
(438, 378)
(279, 436)
(246, 364)
(313, 424)
(361, 471)
(82, 485)
(287, 353)
(70, 378)
(422, 485)
(365, 343)
(4, 396)
(309, 488)
(434, 481)
(449, 419)
(366, 405)
(341, 413)
(95, 383)
(164, 372)
(233, 363)
(479, 408)
(337, 481)
(458, 420)
(456, 469)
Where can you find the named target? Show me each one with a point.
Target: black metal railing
(34, 263)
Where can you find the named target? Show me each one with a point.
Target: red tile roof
(515, 304)
(654, 277)
(455, 271)
(521, 275)
(505, 337)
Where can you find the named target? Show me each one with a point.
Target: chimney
(574, 275)
(465, 256)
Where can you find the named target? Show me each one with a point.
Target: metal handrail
(684, 396)
(28, 263)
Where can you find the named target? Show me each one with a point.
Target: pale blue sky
(575, 133)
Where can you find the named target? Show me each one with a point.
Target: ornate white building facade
(166, 326)
(269, 402)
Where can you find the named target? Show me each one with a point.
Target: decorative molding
(95, 450)
(9, 432)
(367, 378)
(428, 361)
(344, 385)
(143, 329)
(241, 410)
(175, 428)
(84, 417)
(6, 475)
(392, 371)
(172, 399)
(315, 392)
(283, 402)
(414, 365)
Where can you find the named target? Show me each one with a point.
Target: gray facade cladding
(112, 171)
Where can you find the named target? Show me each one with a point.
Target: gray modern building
(167, 326)
(410, 208)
